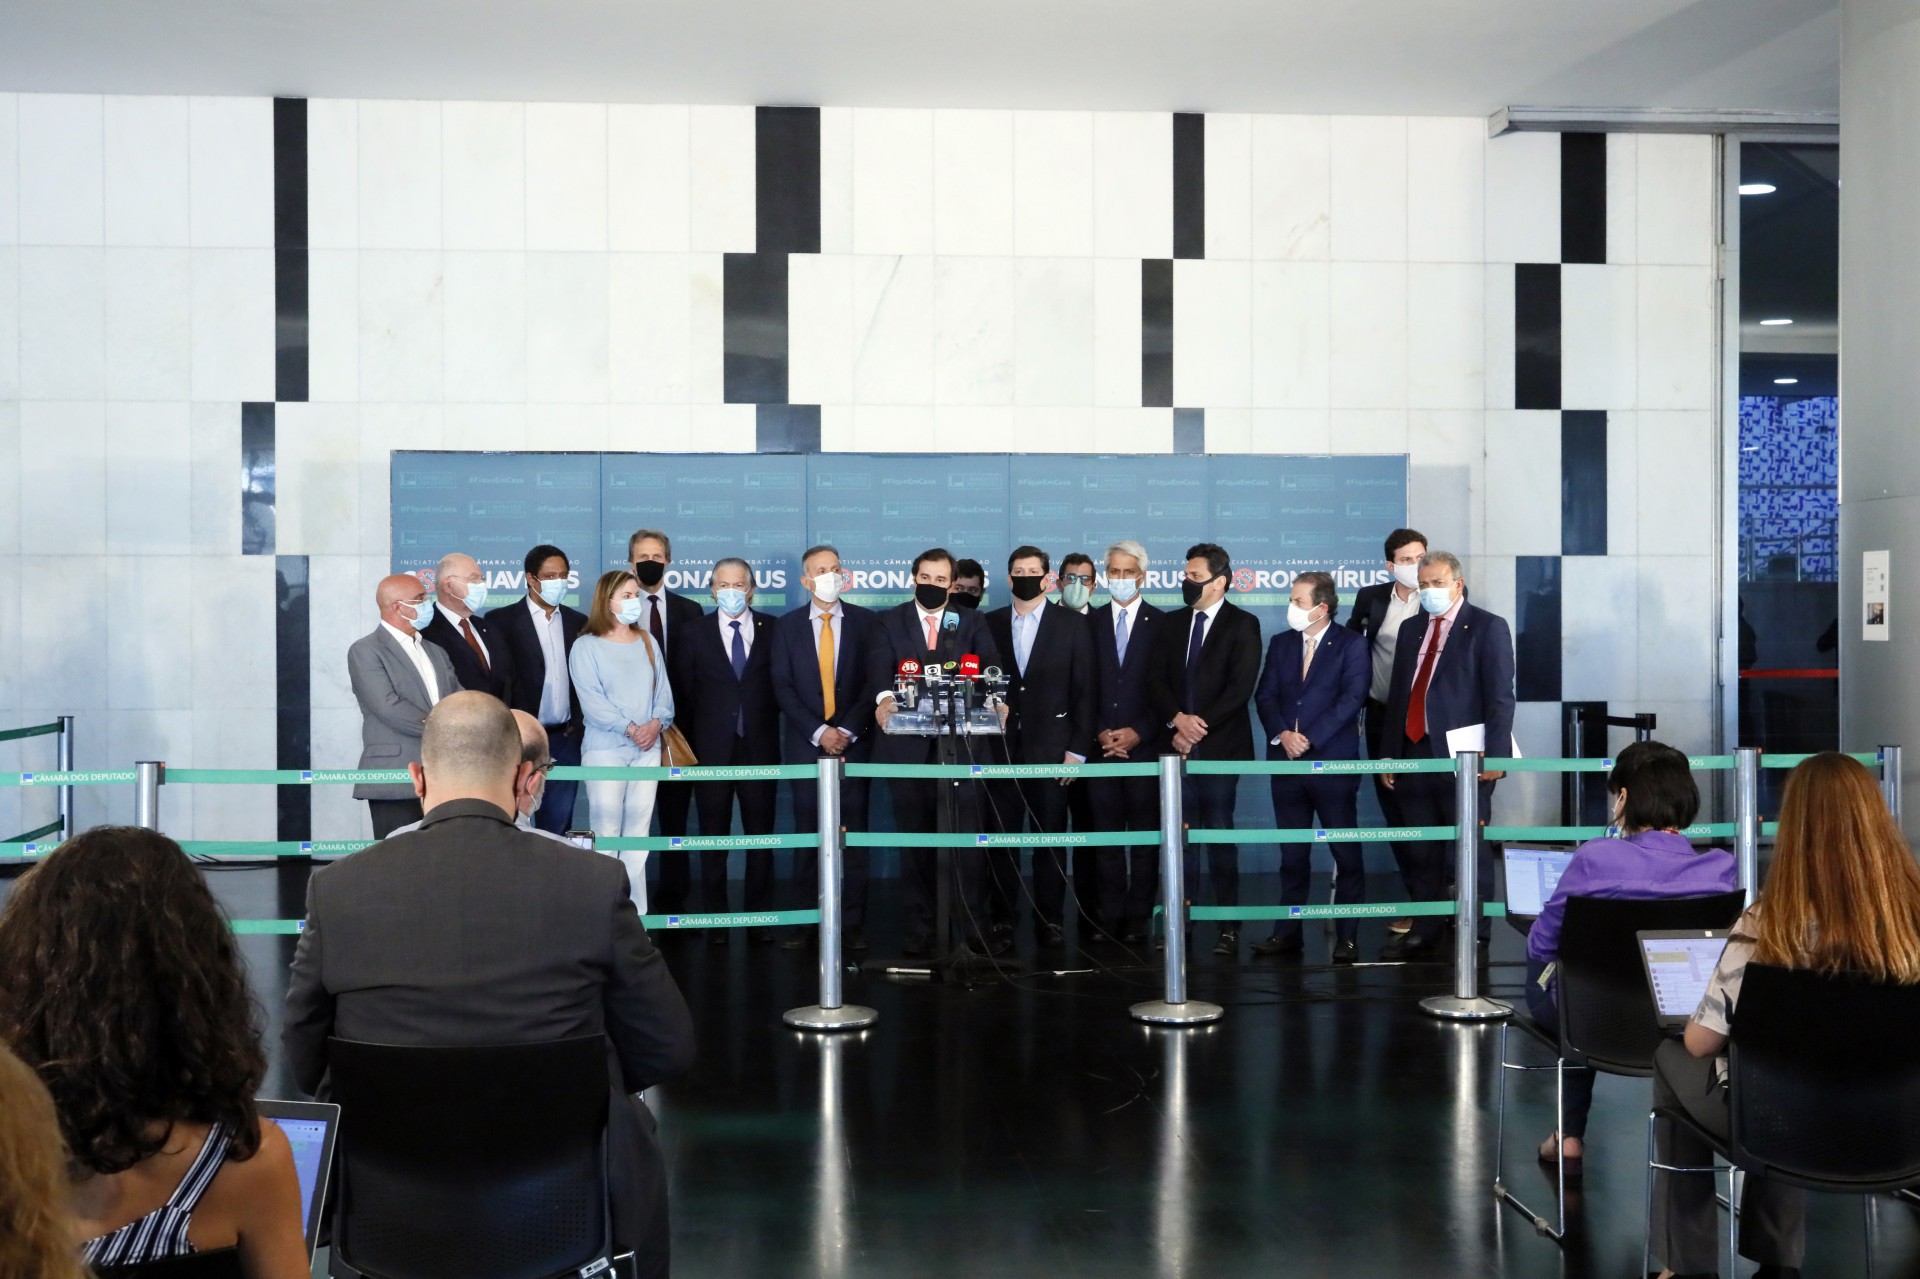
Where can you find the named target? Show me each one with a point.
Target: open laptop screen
(1679, 966)
(310, 1127)
(1532, 874)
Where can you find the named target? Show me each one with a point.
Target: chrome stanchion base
(845, 1017)
(1194, 1012)
(1454, 1008)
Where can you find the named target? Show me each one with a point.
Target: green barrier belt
(286, 776)
(386, 776)
(1546, 765)
(1321, 767)
(28, 837)
(110, 777)
(272, 848)
(1871, 758)
(990, 771)
(1365, 910)
(688, 843)
(1704, 830)
(1265, 835)
(38, 730)
(1070, 839)
(1769, 828)
(703, 773)
(269, 927)
(761, 919)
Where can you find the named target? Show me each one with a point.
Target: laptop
(1532, 874)
(1680, 965)
(311, 1128)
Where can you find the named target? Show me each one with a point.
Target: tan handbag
(675, 750)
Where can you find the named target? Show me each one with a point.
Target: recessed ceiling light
(1786, 381)
(1757, 188)
(1774, 323)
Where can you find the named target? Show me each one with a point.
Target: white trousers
(623, 810)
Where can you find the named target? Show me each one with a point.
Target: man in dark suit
(649, 553)
(730, 717)
(1207, 662)
(1452, 669)
(480, 662)
(1050, 690)
(924, 629)
(1379, 611)
(538, 633)
(1126, 731)
(820, 659)
(1309, 700)
(545, 946)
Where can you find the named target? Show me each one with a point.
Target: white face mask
(553, 590)
(1123, 589)
(1436, 599)
(826, 587)
(1299, 618)
(1407, 575)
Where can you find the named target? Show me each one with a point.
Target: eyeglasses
(1085, 579)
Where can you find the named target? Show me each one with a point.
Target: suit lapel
(403, 673)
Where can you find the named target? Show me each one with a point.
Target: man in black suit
(820, 658)
(1452, 669)
(538, 633)
(1379, 611)
(481, 662)
(1050, 690)
(546, 945)
(1206, 665)
(925, 630)
(729, 715)
(1127, 731)
(649, 553)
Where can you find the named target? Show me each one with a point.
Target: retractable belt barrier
(61, 777)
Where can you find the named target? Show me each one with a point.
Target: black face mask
(963, 599)
(1190, 589)
(1026, 588)
(650, 572)
(929, 596)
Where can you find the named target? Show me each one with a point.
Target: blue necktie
(739, 670)
(1120, 636)
(1193, 658)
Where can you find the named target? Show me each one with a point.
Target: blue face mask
(553, 590)
(476, 597)
(732, 600)
(1075, 595)
(629, 611)
(422, 613)
(1436, 599)
(1123, 589)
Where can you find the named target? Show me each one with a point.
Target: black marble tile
(1156, 333)
(1189, 185)
(293, 693)
(1189, 430)
(1583, 197)
(290, 249)
(787, 174)
(1536, 335)
(1536, 628)
(257, 479)
(755, 328)
(787, 428)
(1583, 482)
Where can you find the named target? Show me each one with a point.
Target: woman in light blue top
(627, 703)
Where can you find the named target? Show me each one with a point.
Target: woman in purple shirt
(1654, 799)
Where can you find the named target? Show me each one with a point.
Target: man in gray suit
(397, 678)
(544, 944)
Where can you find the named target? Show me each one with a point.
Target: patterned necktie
(826, 664)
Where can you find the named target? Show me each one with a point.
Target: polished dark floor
(1025, 1126)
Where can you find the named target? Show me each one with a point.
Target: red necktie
(473, 642)
(1417, 704)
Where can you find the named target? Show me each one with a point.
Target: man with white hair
(1126, 730)
(481, 660)
(397, 678)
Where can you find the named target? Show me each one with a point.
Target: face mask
(422, 613)
(628, 611)
(732, 600)
(1026, 588)
(826, 587)
(1075, 595)
(1123, 589)
(1299, 618)
(964, 600)
(929, 596)
(650, 572)
(476, 597)
(1407, 575)
(1190, 590)
(553, 590)
(1436, 599)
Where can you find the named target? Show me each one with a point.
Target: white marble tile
(485, 356)
(1446, 474)
(63, 654)
(333, 173)
(975, 428)
(1053, 183)
(648, 313)
(1688, 725)
(720, 179)
(147, 174)
(1367, 342)
(1133, 430)
(333, 324)
(1597, 342)
(233, 324)
(1067, 428)
(1599, 609)
(1369, 188)
(1368, 431)
(836, 428)
(972, 182)
(483, 156)
(340, 609)
(652, 428)
(1675, 188)
(1491, 579)
(9, 323)
(1133, 184)
(1116, 332)
(1230, 431)
(149, 633)
(820, 329)
(575, 428)
(566, 176)
(1212, 334)
(1623, 483)
(836, 180)
(1523, 482)
(384, 430)
(231, 142)
(149, 324)
(1287, 431)
(61, 158)
(1291, 304)
(1531, 799)
(233, 632)
(1498, 347)
(706, 329)
(1446, 338)
(567, 326)
(1053, 325)
(63, 478)
(485, 428)
(62, 323)
(892, 181)
(724, 428)
(399, 188)
(973, 330)
(893, 327)
(10, 507)
(149, 478)
(1677, 596)
(216, 478)
(235, 739)
(336, 744)
(1446, 189)
(317, 463)
(1674, 482)
(1623, 198)
(1292, 186)
(1229, 185)
(1523, 197)
(1675, 337)
(647, 179)
(895, 428)
(401, 332)
(9, 169)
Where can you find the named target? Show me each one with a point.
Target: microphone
(908, 667)
(950, 621)
(969, 666)
(906, 683)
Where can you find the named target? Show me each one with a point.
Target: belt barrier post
(830, 1013)
(1890, 779)
(1466, 1002)
(1746, 818)
(147, 776)
(63, 760)
(1176, 1009)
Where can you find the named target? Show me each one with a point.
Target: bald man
(482, 661)
(397, 679)
(531, 787)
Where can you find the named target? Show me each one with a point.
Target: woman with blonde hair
(36, 1236)
(621, 679)
(1842, 896)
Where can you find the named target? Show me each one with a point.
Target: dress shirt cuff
(1274, 740)
(818, 733)
(1076, 757)
(884, 697)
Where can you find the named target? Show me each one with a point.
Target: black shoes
(1346, 952)
(918, 945)
(1051, 936)
(1411, 947)
(1229, 943)
(1289, 947)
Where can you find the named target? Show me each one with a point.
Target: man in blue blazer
(1452, 669)
(1126, 731)
(1309, 699)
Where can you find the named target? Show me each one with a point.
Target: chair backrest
(1607, 1014)
(1824, 1078)
(464, 1161)
(220, 1263)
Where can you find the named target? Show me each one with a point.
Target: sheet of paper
(1471, 737)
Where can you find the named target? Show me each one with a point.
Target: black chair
(1823, 1090)
(457, 1162)
(219, 1263)
(1607, 1015)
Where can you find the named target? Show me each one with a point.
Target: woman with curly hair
(126, 993)
(36, 1238)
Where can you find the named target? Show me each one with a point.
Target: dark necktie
(1417, 703)
(739, 655)
(473, 642)
(655, 625)
(1194, 644)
